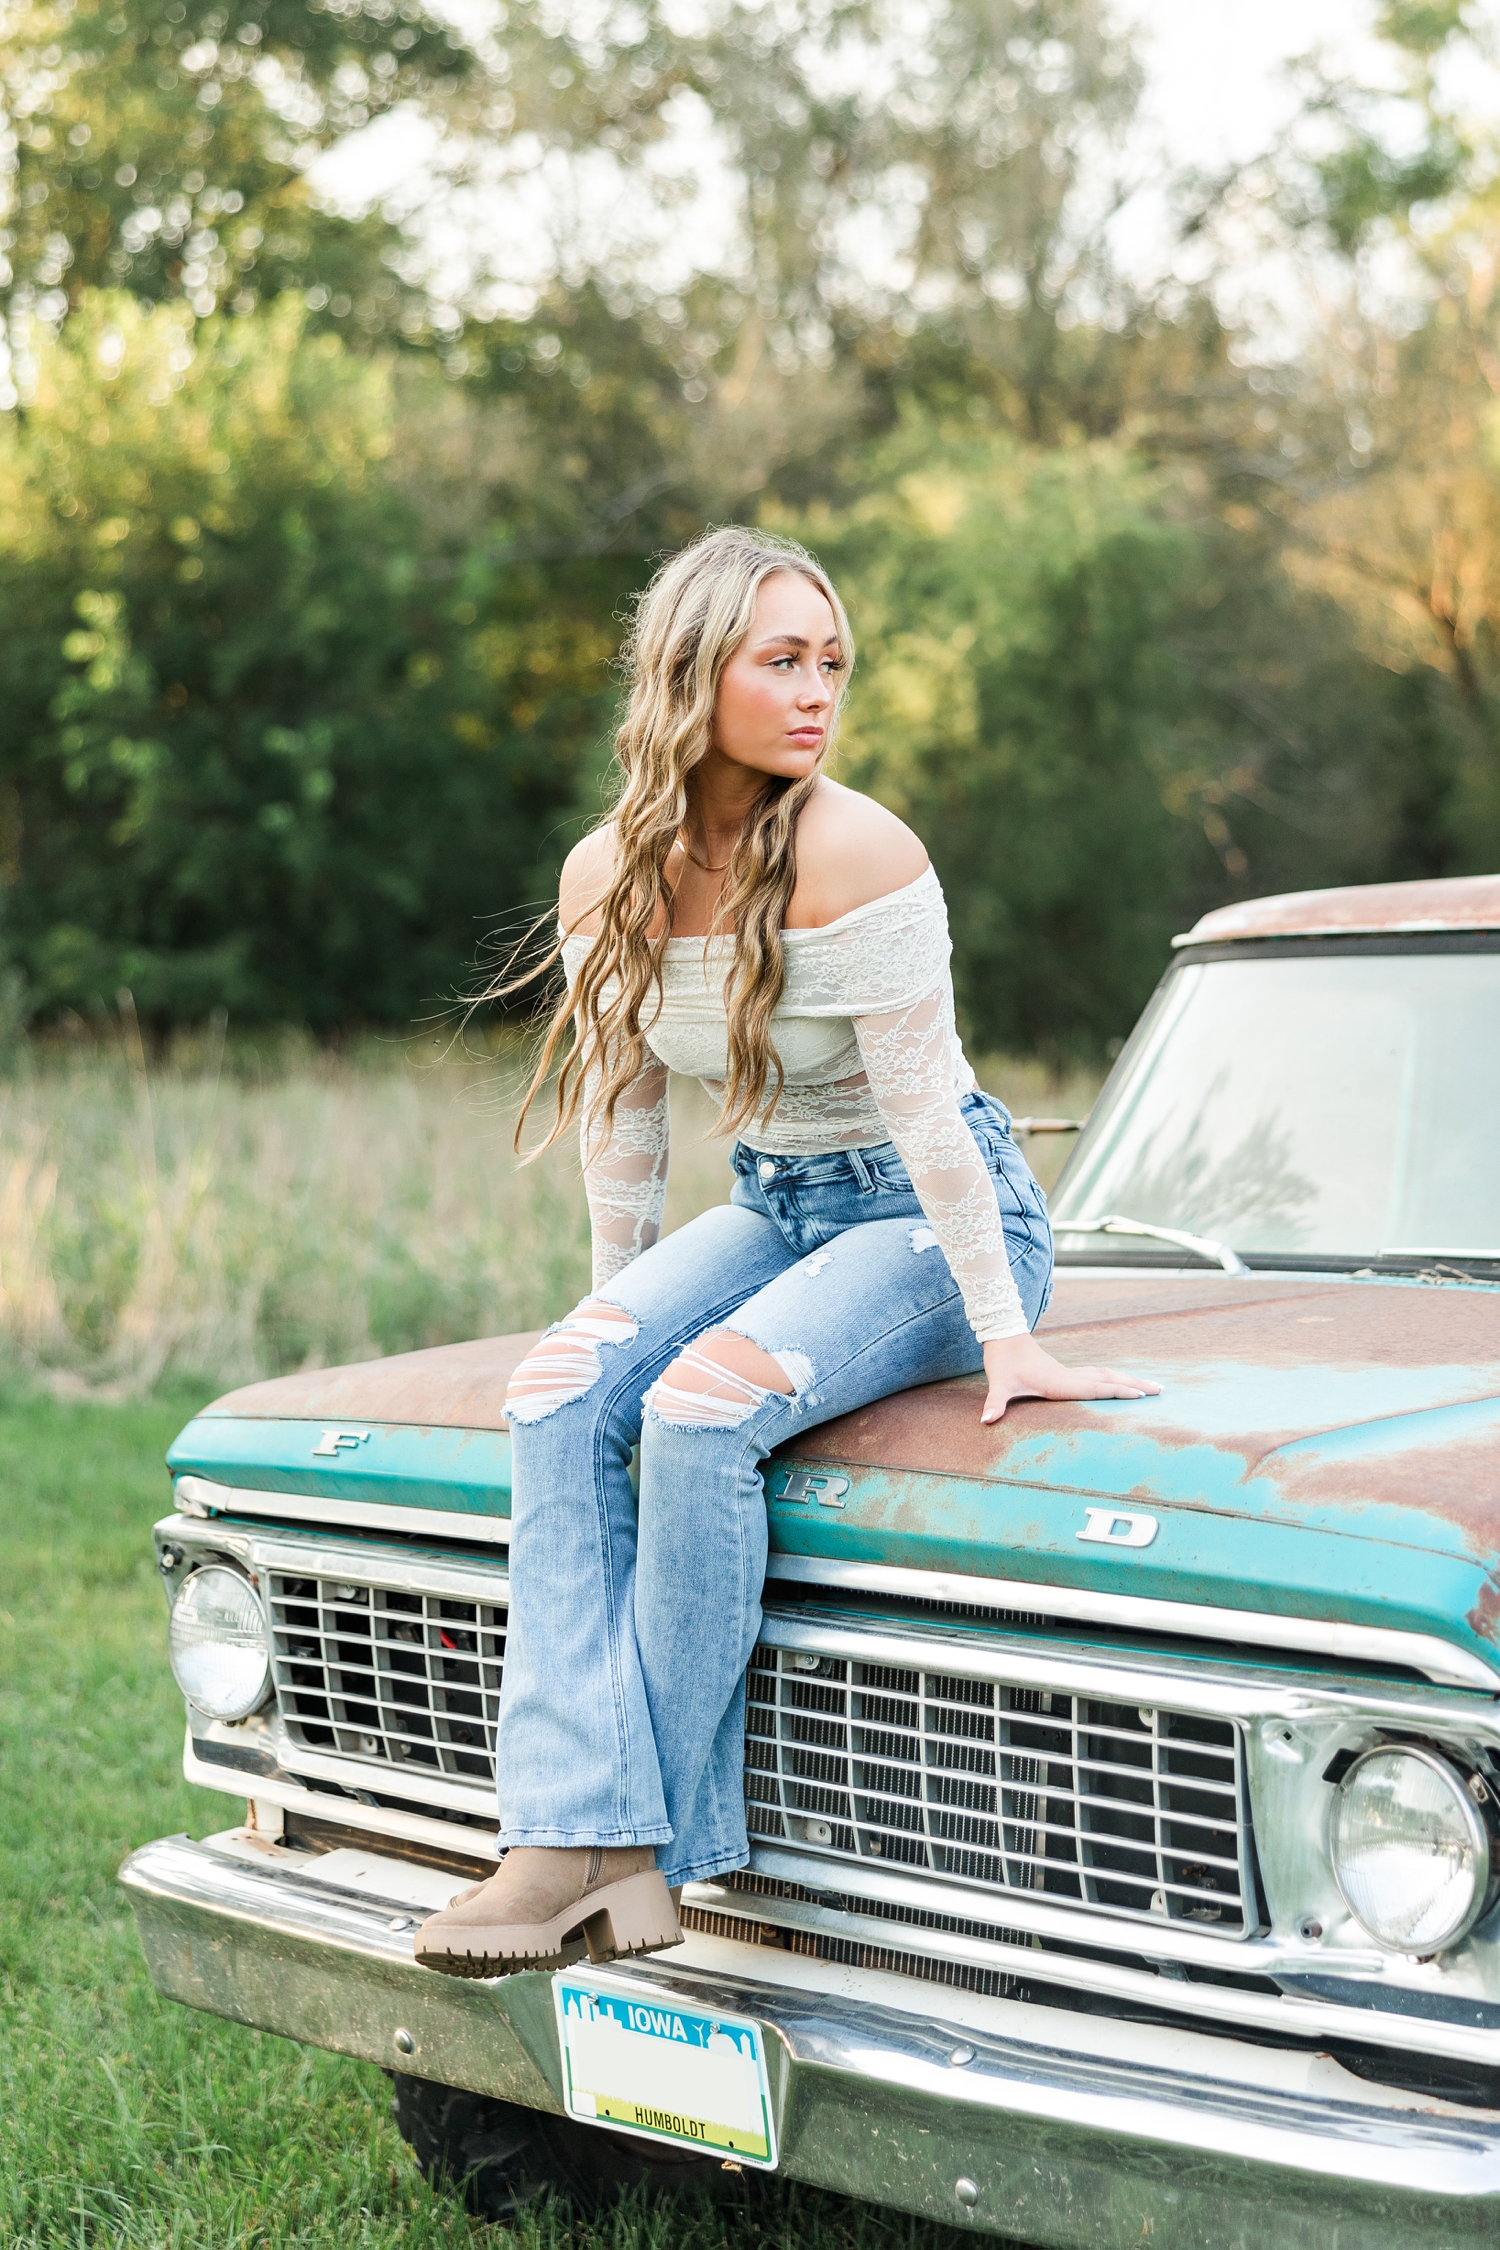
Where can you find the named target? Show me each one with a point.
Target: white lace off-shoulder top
(867, 1042)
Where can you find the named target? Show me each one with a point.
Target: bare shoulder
(850, 851)
(586, 875)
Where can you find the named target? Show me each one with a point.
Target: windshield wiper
(1202, 1245)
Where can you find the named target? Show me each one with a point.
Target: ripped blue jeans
(632, 1622)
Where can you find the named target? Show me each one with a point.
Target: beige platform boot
(543, 1909)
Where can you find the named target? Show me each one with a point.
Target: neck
(720, 794)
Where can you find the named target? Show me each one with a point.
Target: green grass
(125, 2119)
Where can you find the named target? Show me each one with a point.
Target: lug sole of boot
(635, 1915)
(501, 1965)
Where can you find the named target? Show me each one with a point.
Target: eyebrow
(795, 640)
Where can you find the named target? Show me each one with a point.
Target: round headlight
(1410, 1852)
(216, 1643)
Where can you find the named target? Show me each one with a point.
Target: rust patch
(937, 1428)
(1088, 1300)
(1484, 1618)
(1341, 1323)
(1454, 1481)
(1168, 1330)
(451, 1386)
(1461, 902)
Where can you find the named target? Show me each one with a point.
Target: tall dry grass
(226, 1213)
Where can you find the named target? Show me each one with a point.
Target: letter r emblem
(812, 1484)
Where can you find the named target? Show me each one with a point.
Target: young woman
(744, 919)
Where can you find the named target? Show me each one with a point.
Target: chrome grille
(1009, 1789)
(403, 1680)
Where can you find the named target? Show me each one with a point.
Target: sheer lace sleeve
(908, 1058)
(625, 1174)
(625, 1170)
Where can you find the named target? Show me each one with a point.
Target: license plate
(664, 2071)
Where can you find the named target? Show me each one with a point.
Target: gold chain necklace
(707, 865)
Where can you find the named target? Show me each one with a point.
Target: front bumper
(1063, 2148)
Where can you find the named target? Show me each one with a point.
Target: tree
(162, 147)
(1389, 503)
(1016, 701)
(257, 754)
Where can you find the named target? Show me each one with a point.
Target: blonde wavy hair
(688, 623)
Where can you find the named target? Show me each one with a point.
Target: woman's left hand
(1017, 1367)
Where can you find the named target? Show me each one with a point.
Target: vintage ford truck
(1122, 1780)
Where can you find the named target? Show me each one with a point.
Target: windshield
(1342, 1105)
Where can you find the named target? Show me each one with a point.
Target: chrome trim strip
(195, 1493)
(1175, 1941)
(284, 1788)
(1214, 1686)
(367, 1562)
(1117, 1979)
(1438, 1659)
(1075, 2148)
(1429, 925)
(355, 1774)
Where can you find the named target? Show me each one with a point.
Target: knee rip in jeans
(712, 1384)
(565, 1363)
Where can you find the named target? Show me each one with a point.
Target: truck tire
(505, 2158)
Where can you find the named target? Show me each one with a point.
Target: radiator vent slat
(1099, 1805)
(394, 1680)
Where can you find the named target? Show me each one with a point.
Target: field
(235, 1210)
(166, 1230)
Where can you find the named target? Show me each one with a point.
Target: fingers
(1105, 1382)
(1126, 1386)
(1075, 1385)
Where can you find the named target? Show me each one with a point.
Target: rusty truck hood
(1320, 1448)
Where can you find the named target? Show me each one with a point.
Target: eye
(782, 663)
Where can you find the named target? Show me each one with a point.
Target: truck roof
(1459, 902)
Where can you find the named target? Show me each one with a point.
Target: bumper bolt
(402, 1922)
(967, 2192)
(960, 2056)
(405, 2044)
(168, 1560)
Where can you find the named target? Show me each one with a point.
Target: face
(777, 692)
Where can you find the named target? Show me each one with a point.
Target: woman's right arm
(624, 1169)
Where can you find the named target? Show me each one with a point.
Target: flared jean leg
(576, 1752)
(872, 1312)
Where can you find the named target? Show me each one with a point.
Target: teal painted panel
(401, 1467)
(1385, 1447)
(1362, 1494)
(985, 1529)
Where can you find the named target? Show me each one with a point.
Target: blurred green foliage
(164, 148)
(261, 759)
(311, 572)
